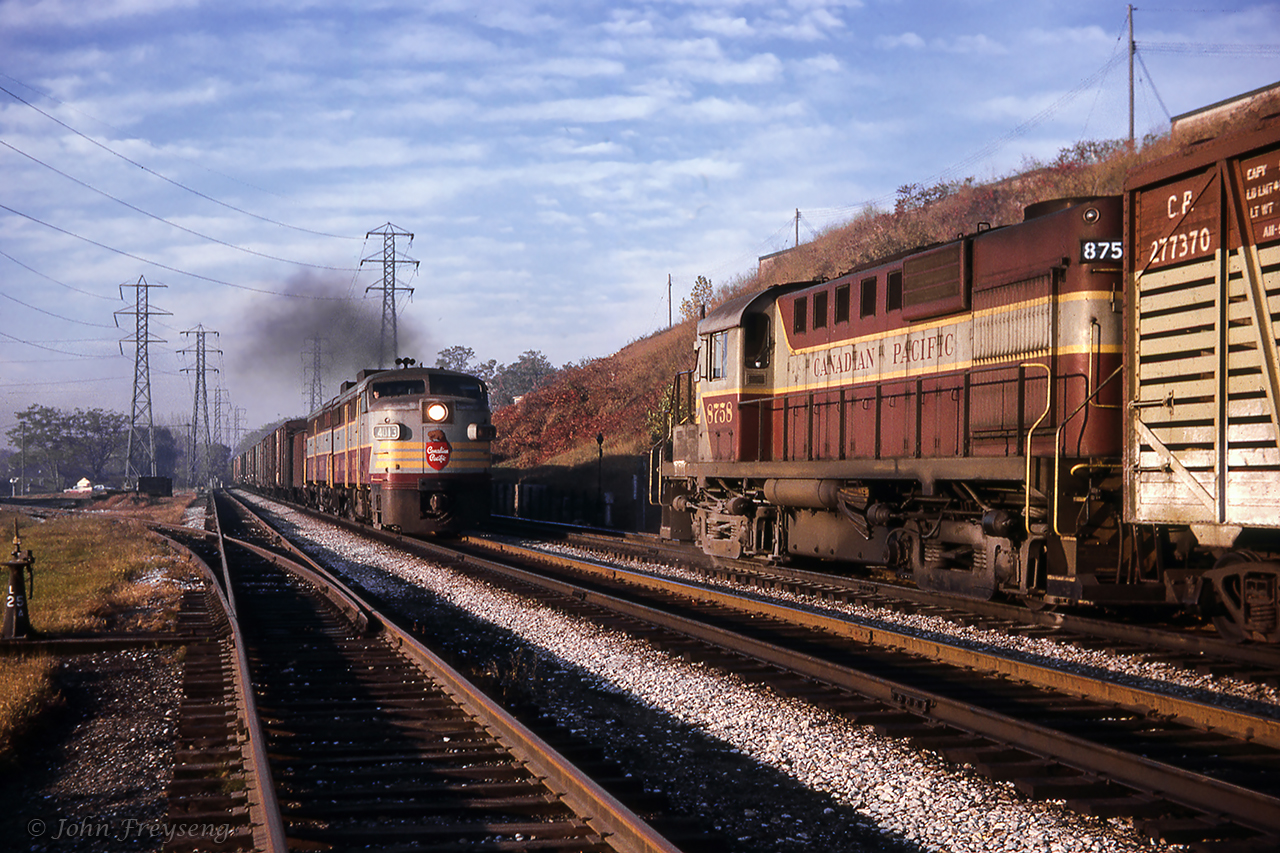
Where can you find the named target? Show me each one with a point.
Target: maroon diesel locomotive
(1080, 408)
(406, 450)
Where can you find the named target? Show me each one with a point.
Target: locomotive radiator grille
(1000, 335)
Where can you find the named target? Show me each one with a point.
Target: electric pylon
(200, 437)
(313, 375)
(389, 234)
(140, 452)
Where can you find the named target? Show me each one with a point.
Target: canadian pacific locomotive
(406, 450)
(1080, 408)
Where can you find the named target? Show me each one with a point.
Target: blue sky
(554, 161)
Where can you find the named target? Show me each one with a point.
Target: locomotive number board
(1098, 251)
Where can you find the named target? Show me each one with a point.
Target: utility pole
(669, 315)
(316, 371)
(797, 227)
(140, 451)
(1133, 48)
(200, 437)
(389, 234)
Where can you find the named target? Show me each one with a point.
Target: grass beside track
(93, 574)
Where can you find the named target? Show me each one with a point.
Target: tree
(96, 438)
(699, 297)
(58, 446)
(40, 438)
(520, 377)
(456, 358)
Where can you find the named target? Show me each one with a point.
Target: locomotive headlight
(436, 412)
(386, 432)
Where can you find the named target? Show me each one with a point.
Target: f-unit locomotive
(406, 450)
(1080, 408)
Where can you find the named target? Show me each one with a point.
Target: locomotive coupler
(17, 624)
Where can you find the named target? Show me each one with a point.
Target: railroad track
(1200, 651)
(313, 723)
(1188, 772)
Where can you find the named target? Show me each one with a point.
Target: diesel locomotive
(406, 450)
(1080, 408)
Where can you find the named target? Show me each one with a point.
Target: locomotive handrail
(1031, 433)
(1057, 443)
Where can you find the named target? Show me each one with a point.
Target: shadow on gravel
(670, 772)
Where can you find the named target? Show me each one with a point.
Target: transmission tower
(217, 416)
(200, 437)
(140, 453)
(313, 372)
(389, 234)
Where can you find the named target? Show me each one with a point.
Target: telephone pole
(140, 452)
(1133, 48)
(389, 288)
(200, 437)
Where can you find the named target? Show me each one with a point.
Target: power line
(147, 213)
(31, 269)
(168, 180)
(53, 315)
(1210, 49)
(159, 265)
(17, 339)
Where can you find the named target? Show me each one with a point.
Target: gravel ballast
(771, 773)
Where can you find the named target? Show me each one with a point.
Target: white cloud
(82, 13)
(907, 40)
(722, 25)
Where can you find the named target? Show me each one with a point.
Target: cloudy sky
(555, 162)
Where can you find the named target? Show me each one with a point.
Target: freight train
(1082, 408)
(406, 450)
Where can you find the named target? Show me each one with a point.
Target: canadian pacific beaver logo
(438, 449)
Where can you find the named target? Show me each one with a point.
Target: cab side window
(717, 355)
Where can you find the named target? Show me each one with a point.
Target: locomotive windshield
(398, 388)
(457, 386)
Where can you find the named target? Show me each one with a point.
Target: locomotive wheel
(1037, 605)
